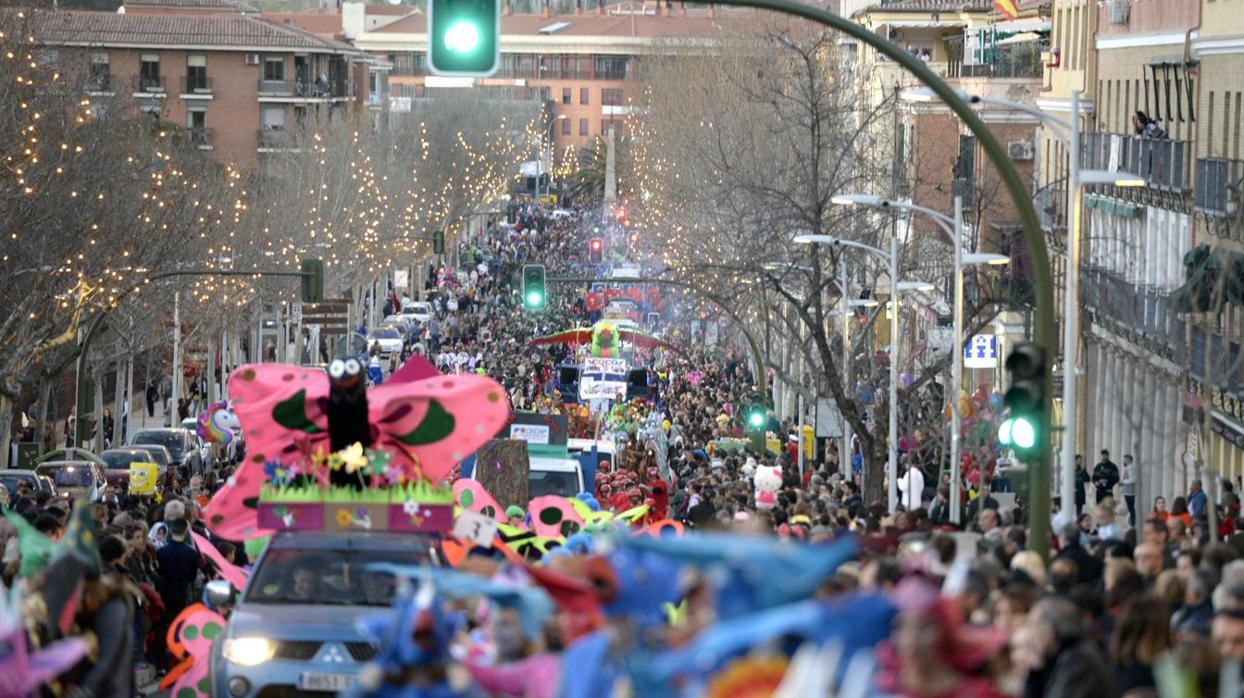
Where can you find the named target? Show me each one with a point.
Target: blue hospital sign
(981, 352)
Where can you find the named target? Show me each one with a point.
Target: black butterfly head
(345, 374)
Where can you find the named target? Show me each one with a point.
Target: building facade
(237, 83)
(1159, 85)
(581, 67)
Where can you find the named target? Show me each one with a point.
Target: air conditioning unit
(1119, 11)
(1019, 150)
(252, 59)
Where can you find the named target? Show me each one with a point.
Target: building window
(100, 79)
(585, 95)
(565, 127)
(196, 125)
(582, 127)
(611, 67)
(611, 97)
(420, 63)
(273, 118)
(149, 73)
(565, 95)
(196, 73)
(274, 68)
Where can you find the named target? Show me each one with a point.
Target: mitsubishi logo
(332, 654)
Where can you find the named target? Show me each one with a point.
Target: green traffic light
(535, 299)
(462, 37)
(756, 419)
(1004, 432)
(1023, 433)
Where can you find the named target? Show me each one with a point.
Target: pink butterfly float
(428, 422)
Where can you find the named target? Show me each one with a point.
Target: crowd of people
(1121, 608)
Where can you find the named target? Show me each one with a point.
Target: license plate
(312, 681)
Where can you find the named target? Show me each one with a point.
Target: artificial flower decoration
(343, 517)
(278, 475)
(378, 464)
(411, 507)
(353, 458)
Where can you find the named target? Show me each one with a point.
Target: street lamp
(1068, 132)
(953, 227)
(540, 158)
(897, 287)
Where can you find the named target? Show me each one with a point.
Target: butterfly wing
(430, 425)
(282, 411)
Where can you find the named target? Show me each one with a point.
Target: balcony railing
(309, 89)
(151, 83)
(1013, 61)
(275, 138)
(1218, 186)
(99, 82)
(196, 85)
(1139, 310)
(1163, 163)
(201, 137)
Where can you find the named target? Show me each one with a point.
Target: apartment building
(1177, 64)
(975, 49)
(236, 82)
(581, 67)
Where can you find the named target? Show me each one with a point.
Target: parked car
(185, 452)
(11, 479)
(120, 458)
(77, 479)
(293, 631)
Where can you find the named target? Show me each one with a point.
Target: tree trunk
(41, 410)
(6, 430)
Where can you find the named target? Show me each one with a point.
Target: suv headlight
(248, 651)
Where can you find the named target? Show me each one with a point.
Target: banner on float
(603, 379)
(981, 352)
(531, 433)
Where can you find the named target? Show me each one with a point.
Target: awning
(1114, 207)
(1021, 38)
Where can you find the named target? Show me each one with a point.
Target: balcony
(99, 83)
(196, 86)
(303, 89)
(1142, 314)
(151, 83)
(1164, 164)
(275, 139)
(202, 138)
(1015, 61)
(1218, 183)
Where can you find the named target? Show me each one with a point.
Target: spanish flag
(1010, 8)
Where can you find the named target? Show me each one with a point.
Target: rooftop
(326, 25)
(197, 5)
(620, 23)
(210, 32)
(929, 6)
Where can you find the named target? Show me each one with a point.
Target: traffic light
(1023, 429)
(756, 417)
(438, 242)
(596, 251)
(534, 295)
(464, 37)
(312, 280)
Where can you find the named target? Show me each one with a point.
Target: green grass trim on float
(421, 492)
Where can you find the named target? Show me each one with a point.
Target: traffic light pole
(84, 401)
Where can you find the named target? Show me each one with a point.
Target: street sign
(981, 352)
(295, 313)
(828, 419)
(331, 316)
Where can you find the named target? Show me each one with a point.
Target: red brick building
(239, 83)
